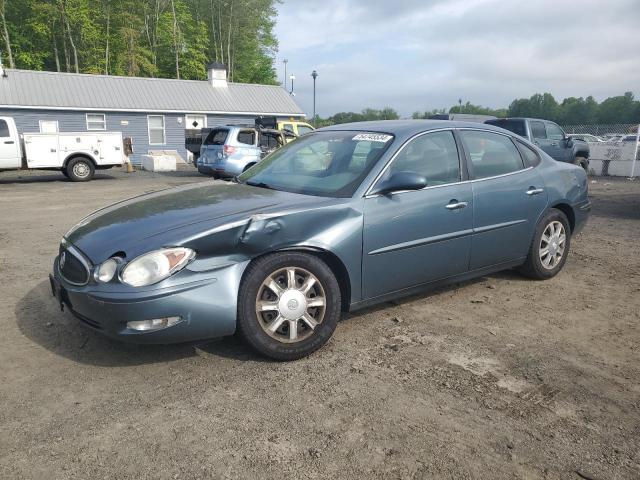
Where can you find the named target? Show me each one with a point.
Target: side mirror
(400, 181)
(569, 142)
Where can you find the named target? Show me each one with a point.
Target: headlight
(155, 266)
(106, 270)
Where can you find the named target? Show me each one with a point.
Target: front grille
(72, 267)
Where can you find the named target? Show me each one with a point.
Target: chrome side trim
(441, 238)
(421, 242)
(496, 226)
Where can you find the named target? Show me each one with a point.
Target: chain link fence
(614, 149)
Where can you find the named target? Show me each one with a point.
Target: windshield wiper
(259, 185)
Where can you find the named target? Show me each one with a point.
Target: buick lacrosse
(341, 218)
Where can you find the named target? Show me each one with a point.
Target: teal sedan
(337, 220)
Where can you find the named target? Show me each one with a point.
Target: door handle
(534, 191)
(554, 144)
(9, 142)
(456, 205)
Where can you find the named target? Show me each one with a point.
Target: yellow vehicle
(299, 128)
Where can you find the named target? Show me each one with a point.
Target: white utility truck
(76, 155)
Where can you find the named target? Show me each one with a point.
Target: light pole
(284, 83)
(460, 102)
(314, 75)
(292, 77)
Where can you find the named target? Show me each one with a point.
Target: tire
(265, 317)
(80, 169)
(247, 167)
(553, 225)
(208, 173)
(64, 172)
(582, 162)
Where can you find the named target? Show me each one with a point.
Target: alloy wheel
(290, 304)
(552, 245)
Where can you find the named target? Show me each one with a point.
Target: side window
(554, 131)
(531, 158)
(302, 129)
(288, 126)
(248, 137)
(4, 129)
(538, 130)
(270, 140)
(433, 155)
(491, 154)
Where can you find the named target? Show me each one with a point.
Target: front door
(557, 144)
(508, 199)
(415, 237)
(9, 148)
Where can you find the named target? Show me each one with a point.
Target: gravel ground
(495, 378)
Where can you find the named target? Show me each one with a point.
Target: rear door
(508, 198)
(9, 145)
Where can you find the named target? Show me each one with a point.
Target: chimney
(217, 74)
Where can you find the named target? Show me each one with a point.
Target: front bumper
(206, 303)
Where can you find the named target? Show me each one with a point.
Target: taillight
(229, 150)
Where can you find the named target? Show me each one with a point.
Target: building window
(96, 121)
(156, 129)
(48, 126)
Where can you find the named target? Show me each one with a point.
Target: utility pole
(314, 75)
(292, 77)
(460, 102)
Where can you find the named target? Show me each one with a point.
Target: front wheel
(80, 170)
(582, 162)
(288, 305)
(550, 247)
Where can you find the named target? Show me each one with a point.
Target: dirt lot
(496, 378)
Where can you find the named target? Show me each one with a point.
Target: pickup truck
(76, 155)
(549, 137)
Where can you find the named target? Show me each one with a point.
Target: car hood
(170, 217)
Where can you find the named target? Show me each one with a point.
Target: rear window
(217, 137)
(530, 157)
(515, 126)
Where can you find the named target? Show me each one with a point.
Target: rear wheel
(80, 169)
(248, 167)
(550, 247)
(288, 305)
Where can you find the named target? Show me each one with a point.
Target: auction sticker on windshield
(373, 137)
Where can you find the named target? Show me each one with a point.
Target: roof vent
(217, 74)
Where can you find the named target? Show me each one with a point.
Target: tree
(154, 38)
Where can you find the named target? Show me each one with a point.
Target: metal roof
(73, 91)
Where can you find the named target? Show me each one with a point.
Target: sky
(416, 55)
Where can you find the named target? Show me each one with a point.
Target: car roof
(404, 128)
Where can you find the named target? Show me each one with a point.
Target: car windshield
(326, 164)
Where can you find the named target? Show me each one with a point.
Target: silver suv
(230, 150)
